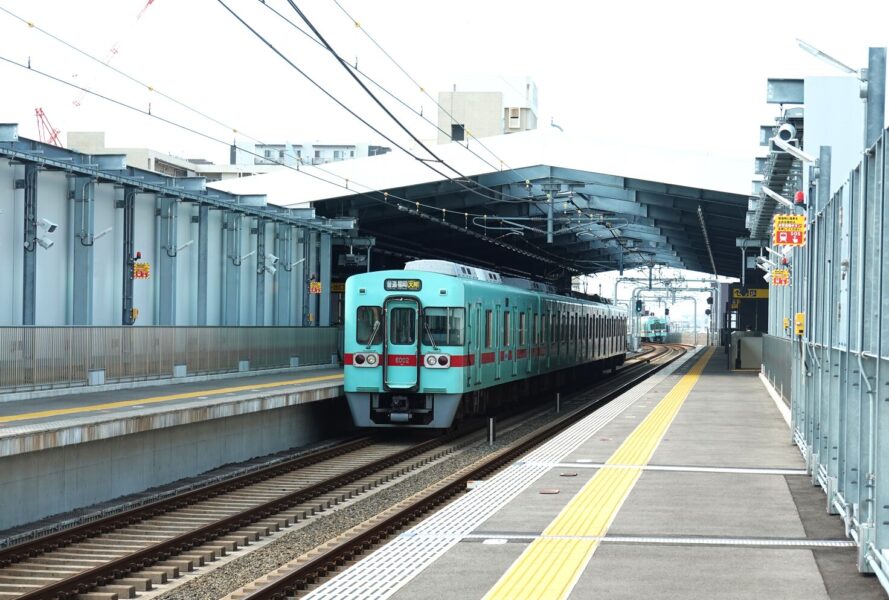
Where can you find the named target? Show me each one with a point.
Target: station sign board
(755, 293)
(789, 230)
(780, 277)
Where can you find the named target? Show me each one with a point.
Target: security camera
(271, 259)
(46, 224)
(45, 242)
(787, 132)
(271, 270)
(764, 261)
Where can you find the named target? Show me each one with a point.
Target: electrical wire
(383, 200)
(210, 118)
(379, 86)
(435, 158)
(416, 83)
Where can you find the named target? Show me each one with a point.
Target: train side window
(402, 326)
(523, 323)
(489, 328)
(443, 325)
(368, 319)
(507, 323)
(535, 337)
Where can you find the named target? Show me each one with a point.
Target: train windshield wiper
(429, 333)
(373, 334)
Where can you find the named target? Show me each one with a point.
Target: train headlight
(430, 360)
(443, 360)
(359, 359)
(371, 359)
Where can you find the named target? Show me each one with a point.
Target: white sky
(672, 74)
(677, 74)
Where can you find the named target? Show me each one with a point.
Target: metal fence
(776, 356)
(840, 362)
(46, 357)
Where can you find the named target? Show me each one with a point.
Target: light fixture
(793, 150)
(826, 58)
(776, 196)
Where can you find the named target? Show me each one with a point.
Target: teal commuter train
(439, 341)
(655, 329)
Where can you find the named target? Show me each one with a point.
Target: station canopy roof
(604, 206)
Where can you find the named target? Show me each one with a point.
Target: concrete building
(245, 159)
(312, 154)
(487, 107)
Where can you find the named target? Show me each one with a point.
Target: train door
(476, 360)
(498, 348)
(513, 342)
(401, 362)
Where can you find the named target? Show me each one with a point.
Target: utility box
(746, 350)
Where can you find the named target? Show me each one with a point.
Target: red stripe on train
(462, 360)
(347, 358)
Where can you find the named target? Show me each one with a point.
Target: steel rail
(105, 574)
(291, 583)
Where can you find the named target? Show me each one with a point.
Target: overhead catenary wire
(383, 196)
(435, 158)
(384, 199)
(420, 87)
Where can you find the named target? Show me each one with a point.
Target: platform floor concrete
(84, 404)
(727, 426)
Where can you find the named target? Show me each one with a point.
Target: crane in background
(47, 133)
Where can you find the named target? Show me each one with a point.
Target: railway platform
(73, 450)
(688, 486)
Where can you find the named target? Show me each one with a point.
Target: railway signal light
(707, 312)
(709, 300)
(666, 312)
(638, 306)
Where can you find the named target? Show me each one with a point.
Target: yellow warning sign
(799, 323)
(314, 287)
(755, 293)
(780, 277)
(789, 230)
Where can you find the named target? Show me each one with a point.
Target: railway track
(132, 551)
(311, 568)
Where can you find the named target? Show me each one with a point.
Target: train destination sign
(402, 285)
(780, 277)
(789, 230)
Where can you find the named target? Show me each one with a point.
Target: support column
(129, 254)
(167, 227)
(876, 96)
(203, 253)
(259, 317)
(324, 268)
(312, 272)
(283, 279)
(82, 225)
(299, 277)
(29, 270)
(231, 284)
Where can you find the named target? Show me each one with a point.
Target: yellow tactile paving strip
(550, 566)
(170, 397)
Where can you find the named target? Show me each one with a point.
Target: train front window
(369, 322)
(444, 326)
(402, 326)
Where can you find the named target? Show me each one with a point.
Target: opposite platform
(690, 489)
(66, 452)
